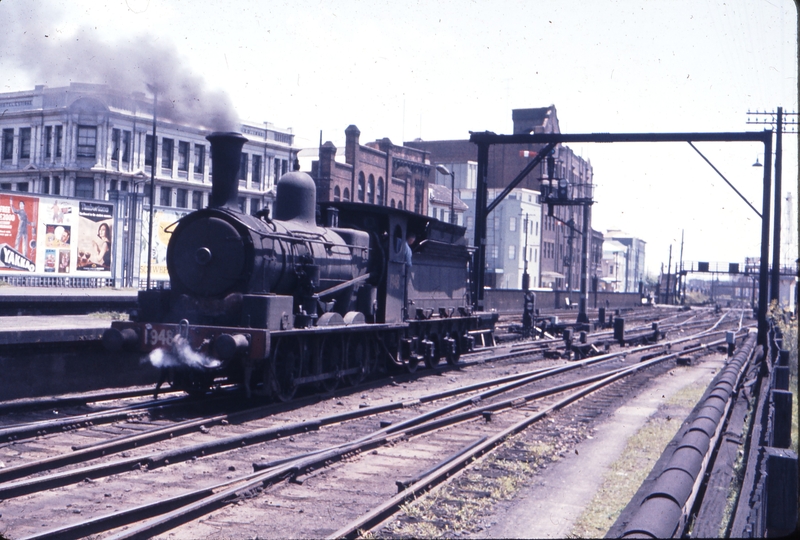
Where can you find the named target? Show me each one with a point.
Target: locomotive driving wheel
(285, 363)
(331, 356)
(357, 358)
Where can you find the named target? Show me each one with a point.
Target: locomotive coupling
(115, 340)
(229, 346)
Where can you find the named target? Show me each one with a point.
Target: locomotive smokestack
(226, 155)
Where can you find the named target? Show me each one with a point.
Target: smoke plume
(38, 43)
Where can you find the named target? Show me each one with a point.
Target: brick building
(378, 173)
(560, 241)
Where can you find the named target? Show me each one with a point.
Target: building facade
(85, 140)
(558, 253)
(68, 147)
(378, 172)
(633, 278)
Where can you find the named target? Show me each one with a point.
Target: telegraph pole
(778, 121)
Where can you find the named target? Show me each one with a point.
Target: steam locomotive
(314, 295)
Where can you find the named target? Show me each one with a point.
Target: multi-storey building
(84, 140)
(560, 233)
(375, 173)
(67, 147)
(633, 278)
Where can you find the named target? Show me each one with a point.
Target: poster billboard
(50, 235)
(164, 221)
(18, 217)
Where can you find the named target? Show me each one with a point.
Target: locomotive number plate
(158, 337)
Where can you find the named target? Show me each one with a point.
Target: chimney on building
(351, 148)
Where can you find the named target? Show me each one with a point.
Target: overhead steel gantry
(550, 140)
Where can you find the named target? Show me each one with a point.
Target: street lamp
(444, 170)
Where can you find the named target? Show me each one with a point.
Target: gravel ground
(549, 507)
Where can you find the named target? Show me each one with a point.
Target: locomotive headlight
(202, 256)
(227, 346)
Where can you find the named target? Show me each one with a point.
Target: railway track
(138, 485)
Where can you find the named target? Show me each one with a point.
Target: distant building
(558, 252)
(614, 266)
(83, 140)
(634, 260)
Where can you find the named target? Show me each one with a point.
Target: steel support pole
(583, 301)
(775, 286)
(481, 197)
(763, 274)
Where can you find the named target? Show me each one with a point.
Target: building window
(55, 186)
(25, 143)
(284, 166)
(8, 143)
(399, 205)
(361, 187)
(181, 197)
(23, 186)
(197, 200)
(148, 151)
(84, 188)
(6, 186)
(126, 146)
(59, 134)
(277, 169)
(256, 175)
(46, 184)
(87, 141)
(115, 145)
(392, 203)
(255, 206)
(346, 195)
(512, 251)
(535, 255)
(512, 226)
(337, 194)
(48, 143)
(380, 197)
(537, 228)
(167, 147)
(123, 185)
(166, 196)
(371, 190)
(199, 158)
(243, 167)
(183, 156)
(495, 252)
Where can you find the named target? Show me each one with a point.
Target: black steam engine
(310, 296)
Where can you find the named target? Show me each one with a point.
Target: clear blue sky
(405, 69)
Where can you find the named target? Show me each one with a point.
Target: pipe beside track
(667, 506)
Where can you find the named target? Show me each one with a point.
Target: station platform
(64, 301)
(30, 329)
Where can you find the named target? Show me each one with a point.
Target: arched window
(361, 183)
(346, 195)
(380, 191)
(371, 190)
(337, 194)
(400, 205)
(392, 203)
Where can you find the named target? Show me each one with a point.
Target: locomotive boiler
(310, 296)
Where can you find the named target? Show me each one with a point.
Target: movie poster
(164, 222)
(95, 236)
(57, 220)
(18, 218)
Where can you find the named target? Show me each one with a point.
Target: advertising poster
(18, 218)
(95, 236)
(57, 220)
(164, 222)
